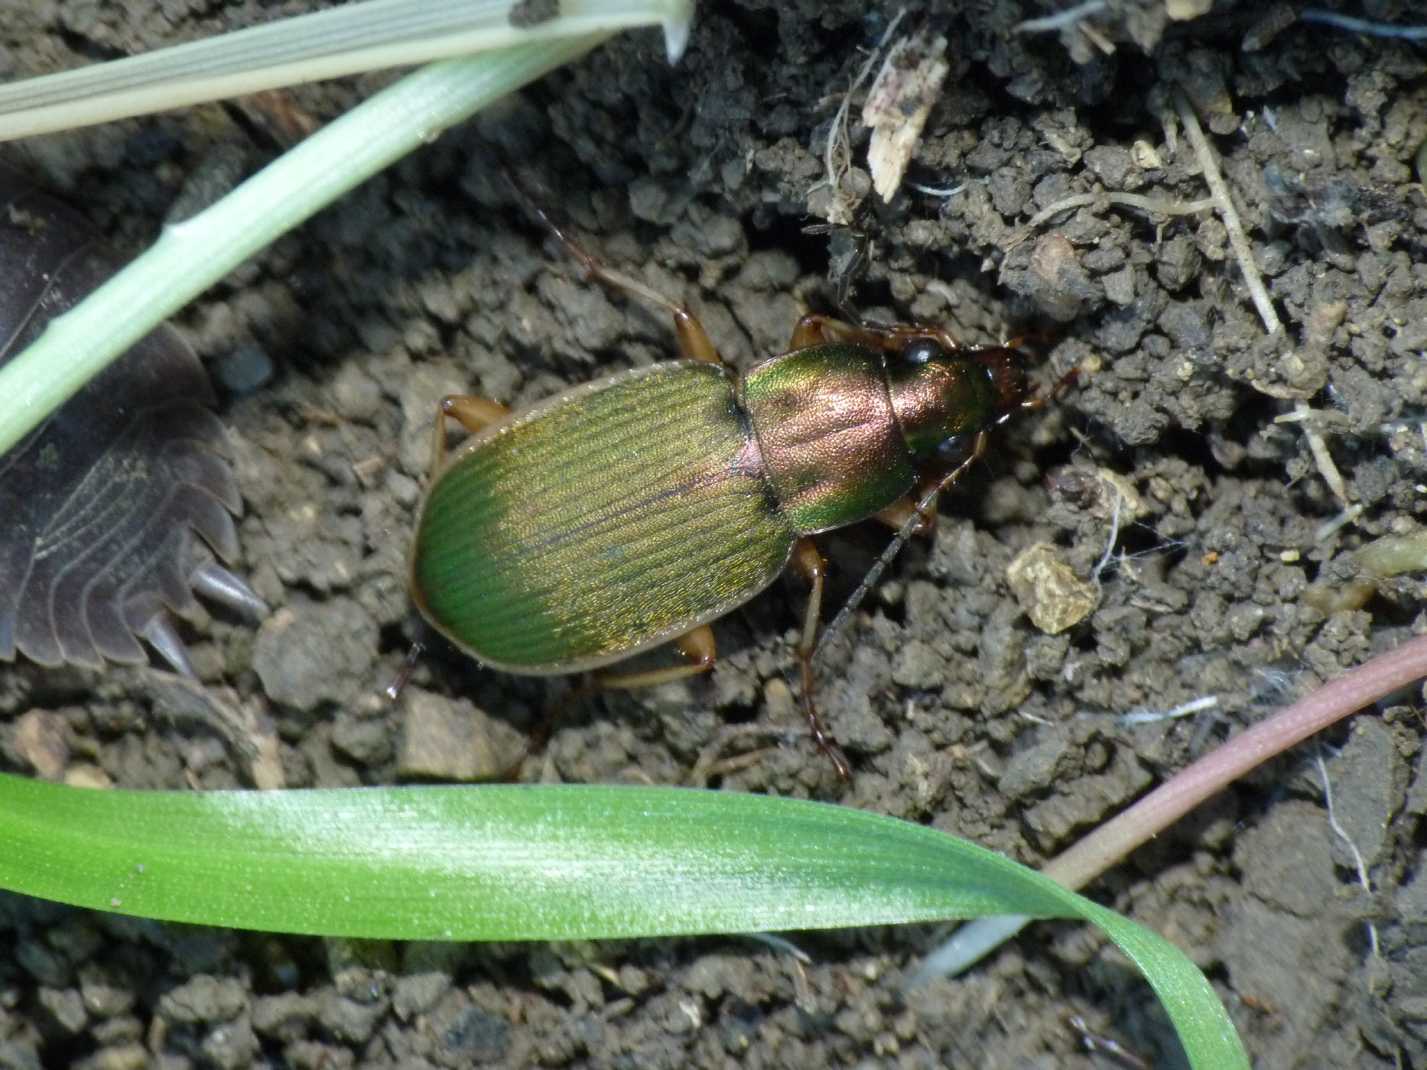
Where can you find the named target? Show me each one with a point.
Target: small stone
(247, 369)
(314, 652)
(231, 1046)
(84, 775)
(1033, 768)
(65, 1007)
(349, 1020)
(105, 995)
(467, 1034)
(285, 1016)
(1183, 10)
(778, 701)
(204, 998)
(41, 741)
(418, 993)
(917, 665)
(128, 1056)
(365, 741)
(1048, 589)
(446, 739)
(355, 394)
(1120, 286)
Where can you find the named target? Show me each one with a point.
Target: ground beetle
(635, 509)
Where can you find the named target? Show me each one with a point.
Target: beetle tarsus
(824, 739)
(394, 689)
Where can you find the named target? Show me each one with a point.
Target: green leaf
(539, 863)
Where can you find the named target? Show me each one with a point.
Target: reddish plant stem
(1351, 692)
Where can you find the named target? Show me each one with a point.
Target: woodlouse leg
(160, 634)
(213, 581)
(694, 341)
(471, 411)
(809, 564)
(696, 645)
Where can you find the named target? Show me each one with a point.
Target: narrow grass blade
(348, 39)
(192, 255)
(527, 863)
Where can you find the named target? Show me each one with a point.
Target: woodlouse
(100, 503)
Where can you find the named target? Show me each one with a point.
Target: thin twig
(1239, 242)
(782, 945)
(1114, 536)
(1344, 696)
(1114, 840)
(837, 133)
(1151, 205)
(1333, 525)
(1184, 709)
(933, 191)
(708, 762)
(1367, 26)
(1061, 19)
(1353, 847)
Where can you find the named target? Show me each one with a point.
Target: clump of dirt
(1056, 191)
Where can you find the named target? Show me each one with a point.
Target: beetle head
(942, 394)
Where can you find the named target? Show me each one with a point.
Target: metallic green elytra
(627, 512)
(602, 522)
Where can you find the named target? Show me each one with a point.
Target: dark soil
(1216, 572)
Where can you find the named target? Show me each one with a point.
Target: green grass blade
(539, 863)
(192, 255)
(328, 43)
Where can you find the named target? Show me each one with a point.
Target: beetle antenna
(874, 573)
(910, 525)
(531, 205)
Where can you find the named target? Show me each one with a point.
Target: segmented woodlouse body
(99, 505)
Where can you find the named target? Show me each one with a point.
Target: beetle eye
(922, 350)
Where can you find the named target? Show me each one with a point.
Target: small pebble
(245, 370)
(1048, 589)
(446, 739)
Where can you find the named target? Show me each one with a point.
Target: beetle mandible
(631, 511)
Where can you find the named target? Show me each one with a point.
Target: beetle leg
(697, 645)
(815, 329)
(903, 509)
(471, 411)
(810, 565)
(1055, 393)
(694, 341)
